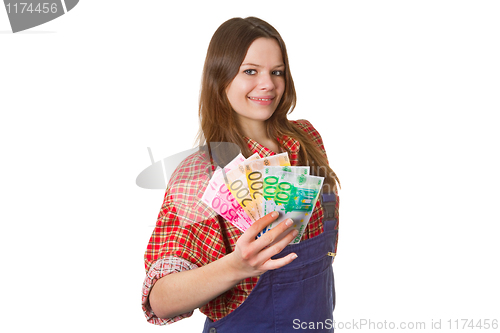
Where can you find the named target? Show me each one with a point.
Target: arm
(182, 292)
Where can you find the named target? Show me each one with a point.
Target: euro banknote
(236, 181)
(272, 174)
(219, 198)
(295, 197)
(254, 170)
(248, 189)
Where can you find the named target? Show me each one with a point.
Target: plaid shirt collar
(291, 145)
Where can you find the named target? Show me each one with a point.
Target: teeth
(260, 99)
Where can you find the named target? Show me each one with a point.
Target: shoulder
(186, 186)
(195, 169)
(308, 128)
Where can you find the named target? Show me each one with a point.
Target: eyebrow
(255, 65)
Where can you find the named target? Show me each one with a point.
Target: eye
(250, 71)
(278, 73)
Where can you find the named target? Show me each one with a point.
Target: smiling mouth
(260, 99)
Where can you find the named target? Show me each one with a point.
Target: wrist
(232, 270)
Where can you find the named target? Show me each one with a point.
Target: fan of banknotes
(247, 189)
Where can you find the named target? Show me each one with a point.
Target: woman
(247, 92)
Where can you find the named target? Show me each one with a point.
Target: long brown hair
(226, 52)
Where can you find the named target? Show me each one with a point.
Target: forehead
(264, 51)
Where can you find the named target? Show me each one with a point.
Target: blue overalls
(292, 297)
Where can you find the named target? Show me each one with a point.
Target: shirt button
(213, 330)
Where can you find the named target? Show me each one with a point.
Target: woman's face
(256, 90)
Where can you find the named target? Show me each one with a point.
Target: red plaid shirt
(177, 246)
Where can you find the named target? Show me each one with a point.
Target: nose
(266, 82)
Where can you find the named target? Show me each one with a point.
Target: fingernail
(295, 232)
(294, 256)
(289, 222)
(274, 214)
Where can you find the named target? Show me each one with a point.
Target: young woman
(241, 283)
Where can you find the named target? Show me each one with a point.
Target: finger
(258, 225)
(273, 234)
(283, 241)
(278, 263)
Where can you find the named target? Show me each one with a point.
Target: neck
(254, 129)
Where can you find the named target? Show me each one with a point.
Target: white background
(404, 93)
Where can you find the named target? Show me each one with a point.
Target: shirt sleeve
(174, 247)
(158, 270)
(187, 234)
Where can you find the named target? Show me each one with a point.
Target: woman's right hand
(252, 257)
(182, 292)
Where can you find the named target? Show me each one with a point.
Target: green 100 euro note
(254, 172)
(295, 196)
(272, 175)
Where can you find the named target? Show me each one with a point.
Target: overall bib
(292, 297)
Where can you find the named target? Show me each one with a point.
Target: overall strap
(330, 221)
(329, 202)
